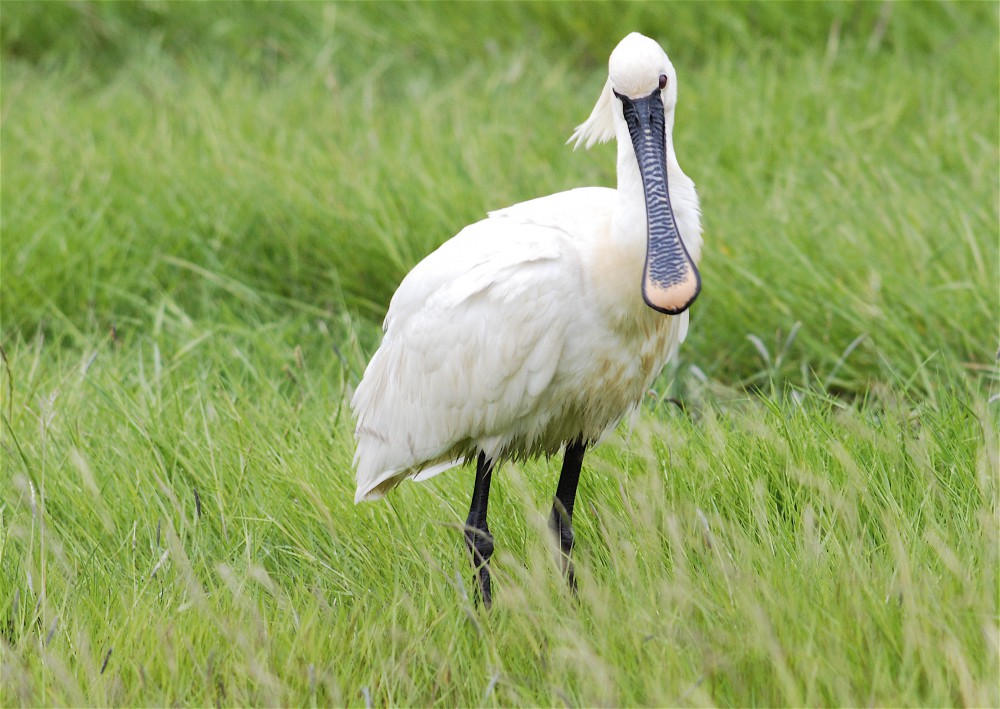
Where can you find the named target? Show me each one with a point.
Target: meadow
(204, 210)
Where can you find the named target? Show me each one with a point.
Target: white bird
(543, 325)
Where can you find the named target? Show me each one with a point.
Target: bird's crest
(600, 126)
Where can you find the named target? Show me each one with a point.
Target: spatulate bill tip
(672, 298)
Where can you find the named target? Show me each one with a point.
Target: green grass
(205, 209)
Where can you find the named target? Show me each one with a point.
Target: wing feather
(471, 342)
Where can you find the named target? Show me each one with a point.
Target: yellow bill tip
(675, 297)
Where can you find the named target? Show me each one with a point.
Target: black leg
(561, 521)
(477, 535)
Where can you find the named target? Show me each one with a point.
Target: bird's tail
(374, 486)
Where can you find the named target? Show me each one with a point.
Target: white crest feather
(600, 127)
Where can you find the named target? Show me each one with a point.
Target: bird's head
(637, 106)
(638, 67)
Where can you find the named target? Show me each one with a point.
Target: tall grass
(178, 528)
(205, 209)
(853, 191)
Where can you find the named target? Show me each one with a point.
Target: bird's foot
(480, 545)
(562, 529)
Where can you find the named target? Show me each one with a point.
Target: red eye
(663, 81)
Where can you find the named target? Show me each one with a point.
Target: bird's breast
(603, 374)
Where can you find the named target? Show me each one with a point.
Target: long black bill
(670, 280)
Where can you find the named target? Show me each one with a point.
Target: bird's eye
(663, 81)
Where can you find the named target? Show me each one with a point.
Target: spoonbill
(541, 326)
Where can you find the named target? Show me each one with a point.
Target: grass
(205, 209)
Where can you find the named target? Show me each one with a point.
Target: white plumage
(528, 330)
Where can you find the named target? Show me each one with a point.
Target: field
(205, 209)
